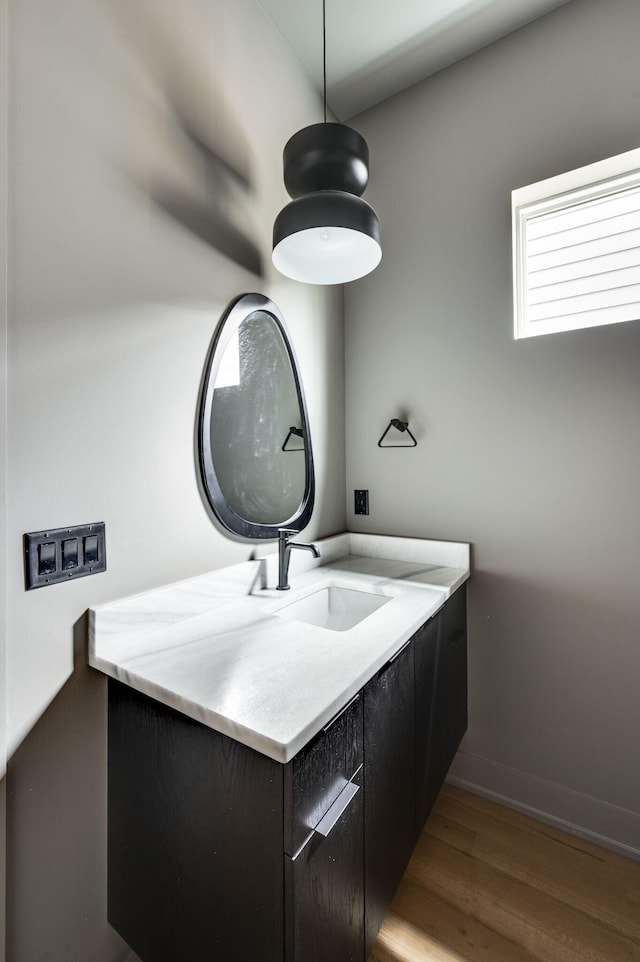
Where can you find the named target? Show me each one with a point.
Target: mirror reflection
(255, 451)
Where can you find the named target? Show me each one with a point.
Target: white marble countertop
(213, 647)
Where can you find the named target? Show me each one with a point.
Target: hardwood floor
(487, 884)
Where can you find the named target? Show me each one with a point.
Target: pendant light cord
(324, 58)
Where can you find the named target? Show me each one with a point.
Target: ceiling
(375, 48)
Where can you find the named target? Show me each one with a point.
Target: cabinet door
(324, 890)
(425, 655)
(441, 699)
(195, 838)
(389, 786)
(450, 705)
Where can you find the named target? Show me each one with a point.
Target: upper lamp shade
(327, 234)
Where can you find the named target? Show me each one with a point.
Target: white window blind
(576, 241)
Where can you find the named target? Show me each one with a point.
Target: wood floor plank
(399, 941)
(532, 919)
(443, 925)
(625, 867)
(571, 876)
(489, 884)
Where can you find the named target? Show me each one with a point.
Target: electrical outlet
(361, 501)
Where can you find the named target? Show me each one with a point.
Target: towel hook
(298, 433)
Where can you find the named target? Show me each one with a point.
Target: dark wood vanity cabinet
(217, 853)
(220, 854)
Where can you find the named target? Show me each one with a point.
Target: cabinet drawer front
(324, 892)
(316, 776)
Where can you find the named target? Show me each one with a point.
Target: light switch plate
(64, 554)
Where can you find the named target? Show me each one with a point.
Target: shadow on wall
(206, 184)
(57, 828)
(208, 219)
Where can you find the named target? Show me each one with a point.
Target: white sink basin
(333, 607)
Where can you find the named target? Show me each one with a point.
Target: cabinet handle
(339, 807)
(341, 713)
(399, 651)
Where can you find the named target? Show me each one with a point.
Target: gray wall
(528, 449)
(145, 173)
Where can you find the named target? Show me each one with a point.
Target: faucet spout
(285, 544)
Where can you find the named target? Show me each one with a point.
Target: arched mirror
(254, 445)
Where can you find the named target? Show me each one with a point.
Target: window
(576, 248)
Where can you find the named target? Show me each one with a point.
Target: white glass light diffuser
(327, 255)
(326, 237)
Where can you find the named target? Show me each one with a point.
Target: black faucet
(284, 553)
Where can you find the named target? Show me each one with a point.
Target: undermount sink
(333, 607)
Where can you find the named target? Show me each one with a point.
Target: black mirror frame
(228, 518)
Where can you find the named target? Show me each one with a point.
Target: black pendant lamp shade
(326, 157)
(328, 234)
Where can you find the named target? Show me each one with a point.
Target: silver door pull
(340, 805)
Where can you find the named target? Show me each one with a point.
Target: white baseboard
(599, 822)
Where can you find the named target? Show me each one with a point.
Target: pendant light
(328, 234)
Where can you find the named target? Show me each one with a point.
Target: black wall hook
(401, 426)
(298, 433)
